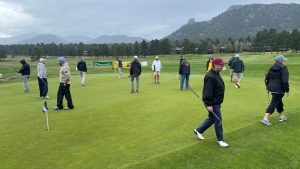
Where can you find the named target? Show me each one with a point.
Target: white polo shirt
(156, 66)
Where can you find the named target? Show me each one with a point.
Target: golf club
(220, 122)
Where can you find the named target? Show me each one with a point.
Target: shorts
(237, 76)
(156, 73)
(119, 69)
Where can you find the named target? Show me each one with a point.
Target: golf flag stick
(220, 122)
(45, 110)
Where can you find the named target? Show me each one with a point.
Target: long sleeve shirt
(41, 70)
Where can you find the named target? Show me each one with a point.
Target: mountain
(15, 39)
(116, 39)
(77, 39)
(240, 21)
(45, 38)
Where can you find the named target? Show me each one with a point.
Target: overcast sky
(148, 19)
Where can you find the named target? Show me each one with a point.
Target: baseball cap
(236, 55)
(42, 59)
(135, 57)
(280, 58)
(218, 61)
(61, 59)
(156, 57)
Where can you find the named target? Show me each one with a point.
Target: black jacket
(213, 88)
(135, 68)
(230, 62)
(185, 68)
(238, 66)
(25, 70)
(277, 79)
(81, 66)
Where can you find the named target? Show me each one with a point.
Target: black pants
(64, 90)
(43, 86)
(276, 102)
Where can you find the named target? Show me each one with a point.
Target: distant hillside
(47, 38)
(242, 21)
(116, 39)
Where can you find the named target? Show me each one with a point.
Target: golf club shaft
(204, 104)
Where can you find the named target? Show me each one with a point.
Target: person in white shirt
(156, 68)
(42, 78)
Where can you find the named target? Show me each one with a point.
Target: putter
(220, 122)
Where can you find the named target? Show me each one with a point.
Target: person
(277, 83)
(230, 63)
(120, 68)
(25, 71)
(212, 97)
(156, 68)
(64, 85)
(42, 78)
(135, 72)
(209, 63)
(184, 71)
(238, 69)
(81, 67)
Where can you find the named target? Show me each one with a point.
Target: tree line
(264, 41)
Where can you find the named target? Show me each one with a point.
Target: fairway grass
(112, 128)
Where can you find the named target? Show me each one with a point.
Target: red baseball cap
(218, 61)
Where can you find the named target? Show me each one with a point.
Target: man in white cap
(64, 85)
(238, 69)
(156, 68)
(42, 78)
(135, 72)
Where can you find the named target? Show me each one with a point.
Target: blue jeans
(186, 78)
(212, 119)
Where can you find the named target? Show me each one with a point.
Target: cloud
(13, 19)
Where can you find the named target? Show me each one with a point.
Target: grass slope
(111, 128)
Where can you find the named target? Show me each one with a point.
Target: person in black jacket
(25, 71)
(184, 71)
(212, 97)
(135, 72)
(238, 69)
(81, 67)
(277, 83)
(230, 63)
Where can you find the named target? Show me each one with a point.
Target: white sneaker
(198, 134)
(222, 143)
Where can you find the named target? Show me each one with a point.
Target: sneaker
(266, 122)
(132, 92)
(66, 108)
(238, 85)
(198, 134)
(47, 97)
(283, 118)
(222, 143)
(137, 91)
(56, 108)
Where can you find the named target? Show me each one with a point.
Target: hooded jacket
(238, 66)
(25, 70)
(135, 68)
(185, 68)
(81, 66)
(277, 79)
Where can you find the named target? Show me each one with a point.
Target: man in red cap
(212, 97)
